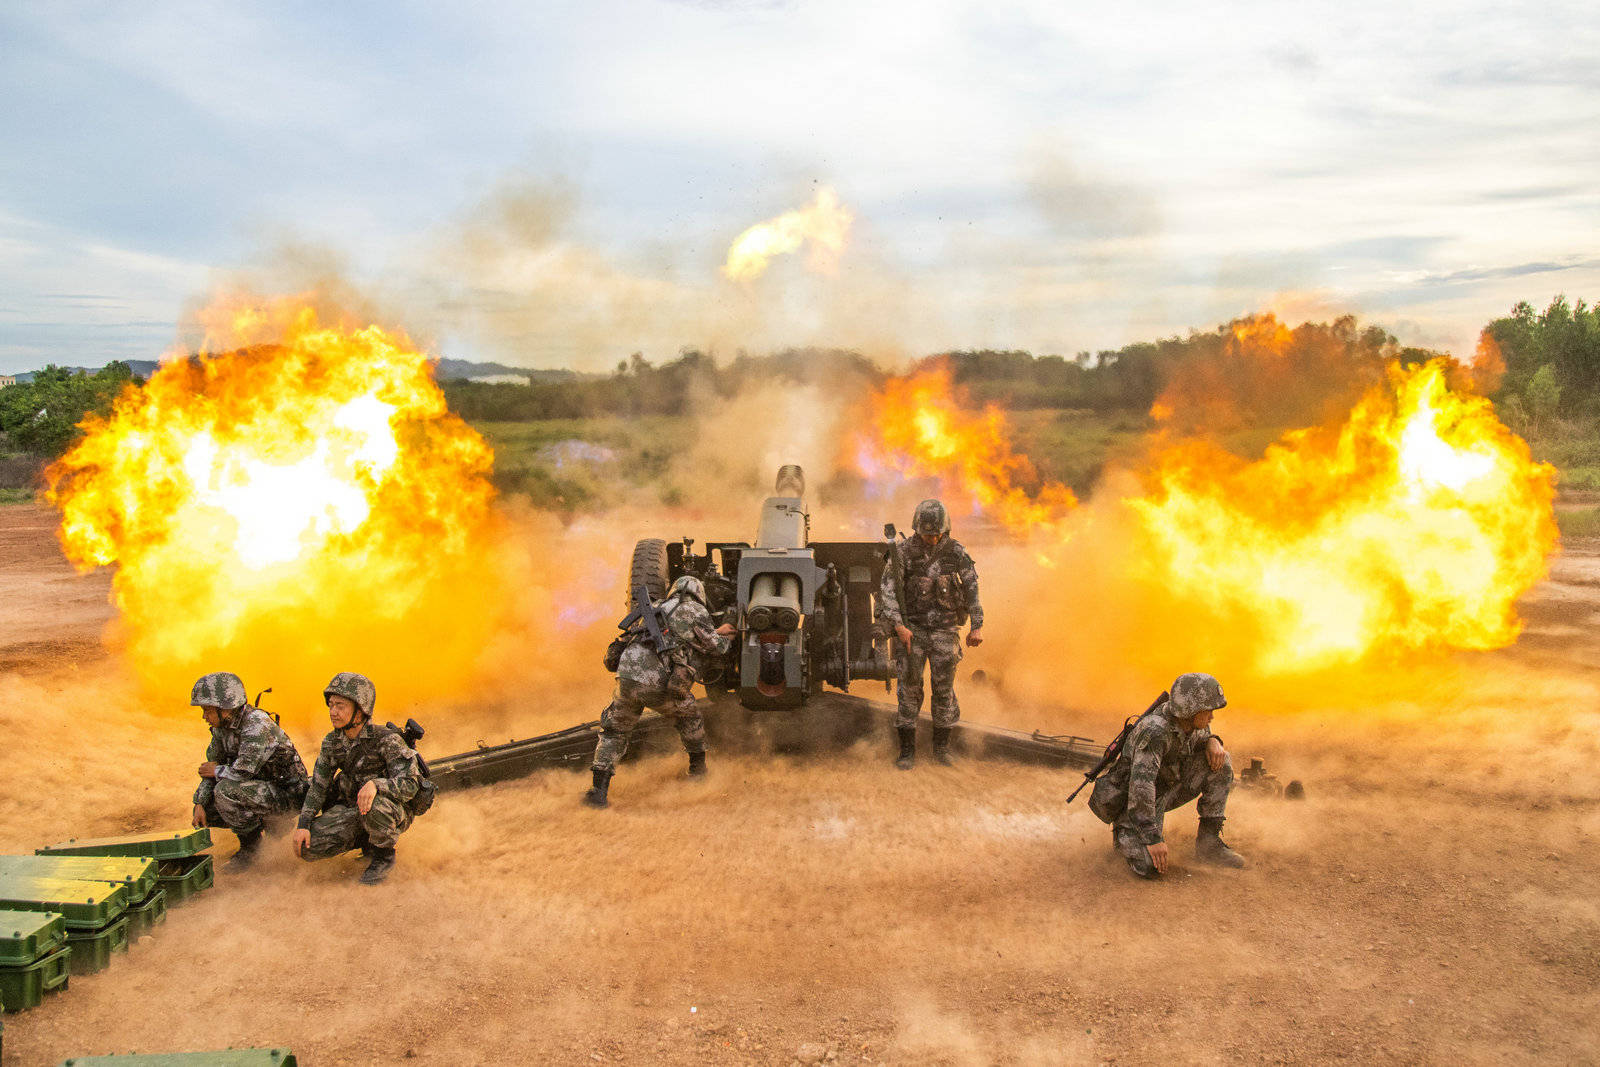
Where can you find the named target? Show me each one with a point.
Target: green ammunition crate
(84, 905)
(233, 1057)
(182, 879)
(137, 873)
(25, 936)
(92, 949)
(25, 987)
(162, 845)
(143, 916)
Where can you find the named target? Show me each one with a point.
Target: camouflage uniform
(343, 766)
(259, 772)
(941, 592)
(1161, 768)
(648, 680)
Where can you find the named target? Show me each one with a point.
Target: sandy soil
(1432, 901)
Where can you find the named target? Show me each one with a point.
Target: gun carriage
(806, 612)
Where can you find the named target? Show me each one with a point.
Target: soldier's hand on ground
(1215, 754)
(727, 629)
(1158, 855)
(199, 816)
(975, 637)
(208, 770)
(300, 840)
(364, 798)
(905, 634)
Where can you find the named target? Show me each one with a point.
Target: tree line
(1541, 368)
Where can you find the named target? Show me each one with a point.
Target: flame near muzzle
(289, 510)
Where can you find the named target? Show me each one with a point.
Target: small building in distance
(7, 379)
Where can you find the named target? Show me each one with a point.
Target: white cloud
(1044, 175)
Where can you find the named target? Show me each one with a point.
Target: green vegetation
(39, 420)
(1578, 522)
(577, 464)
(572, 443)
(40, 417)
(1550, 392)
(1072, 447)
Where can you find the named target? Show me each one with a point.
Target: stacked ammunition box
(181, 869)
(139, 876)
(95, 913)
(34, 957)
(68, 908)
(233, 1057)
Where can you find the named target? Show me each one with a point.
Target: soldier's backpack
(285, 769)
(423, 799)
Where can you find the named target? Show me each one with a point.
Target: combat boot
(941, 746)
(249, 849)
(596, 796)
(382, 863)
(1210, 848)
(908, 748)
(697, 764)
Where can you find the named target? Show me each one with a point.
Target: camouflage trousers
(622, 715)
(937, 652)
(1212, 787)
(244, 807)
(342, 828)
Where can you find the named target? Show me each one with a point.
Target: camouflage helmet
(691, 587)
(1194, 693)
(221, 690)
(356, 688)
(931, 518)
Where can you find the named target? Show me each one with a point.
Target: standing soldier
(362, 786)
(930, 588)
(252, 772)
(1170, 758)
(662, 681)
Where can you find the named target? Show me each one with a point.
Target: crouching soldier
(661, 680)
(362, 786)
(1170, 757)
(252, 773)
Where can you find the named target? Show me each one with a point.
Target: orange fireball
(288, 510)
(1416, 525)
(920, 428)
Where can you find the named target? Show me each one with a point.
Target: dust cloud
(1431, 900)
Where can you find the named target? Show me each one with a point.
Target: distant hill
(453, 370)
(446, 370)
(142, 368)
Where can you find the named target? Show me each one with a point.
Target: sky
(556, 184)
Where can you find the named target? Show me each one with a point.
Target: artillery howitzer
(806, 612)
(807, 615)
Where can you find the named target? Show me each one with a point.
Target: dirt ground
(1433, 900)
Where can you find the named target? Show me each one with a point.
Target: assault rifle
(1114, 749)
(649, 616)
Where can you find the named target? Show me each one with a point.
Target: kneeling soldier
(1170, 758)
(252, 771)
(362, 784)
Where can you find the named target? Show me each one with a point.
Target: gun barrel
(791, 481)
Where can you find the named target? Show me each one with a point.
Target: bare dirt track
(1433, 900)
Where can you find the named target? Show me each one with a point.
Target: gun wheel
(649, 569)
